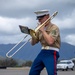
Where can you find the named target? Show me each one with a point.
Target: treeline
(14, 63)
(27, 64)
(8, 63)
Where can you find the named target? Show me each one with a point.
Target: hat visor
(39, 17)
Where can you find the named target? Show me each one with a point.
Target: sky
(21, 12)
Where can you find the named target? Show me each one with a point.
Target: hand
(42, 28)
(32, 33)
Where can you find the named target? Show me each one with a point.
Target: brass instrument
(32, 33)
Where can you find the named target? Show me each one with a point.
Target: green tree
(8, 62)
(27, 63)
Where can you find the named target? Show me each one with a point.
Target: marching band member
(49, 37)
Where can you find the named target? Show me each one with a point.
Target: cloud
(11, 25)
(16, 12)
(9, 28)
(22, 3)
(70, 39)
(66, 1)
(23, 8)
(10, 39)
(67, 22)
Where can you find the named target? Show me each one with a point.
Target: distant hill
(67, 51)
(29, 52)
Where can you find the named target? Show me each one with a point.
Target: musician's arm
(33, 41)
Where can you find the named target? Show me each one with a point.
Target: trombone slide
(9, 56)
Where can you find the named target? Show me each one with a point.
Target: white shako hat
(41, 13)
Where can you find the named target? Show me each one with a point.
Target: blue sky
(21, 12)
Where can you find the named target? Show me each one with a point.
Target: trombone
(7, 54)
(33, 31)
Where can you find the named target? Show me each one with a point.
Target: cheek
(40, 21)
